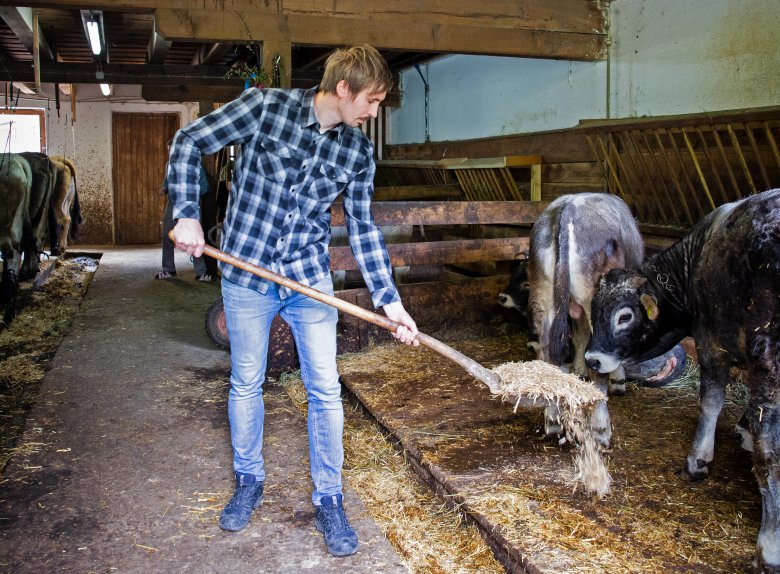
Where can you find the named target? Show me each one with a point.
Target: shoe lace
(243, 494)
(335, 520)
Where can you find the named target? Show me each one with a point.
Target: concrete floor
(126, 458)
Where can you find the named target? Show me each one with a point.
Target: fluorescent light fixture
(93, 30)
(106, 89)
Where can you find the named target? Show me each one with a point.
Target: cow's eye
(623, 319)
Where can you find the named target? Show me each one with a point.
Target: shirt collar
(309, 120)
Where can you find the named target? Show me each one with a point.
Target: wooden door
(139, 157)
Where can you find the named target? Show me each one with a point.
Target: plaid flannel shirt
(285, 180)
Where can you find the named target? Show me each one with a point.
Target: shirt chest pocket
(332, 180)
(274, 160)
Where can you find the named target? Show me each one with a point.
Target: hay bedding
(28, 344)
(517, 482)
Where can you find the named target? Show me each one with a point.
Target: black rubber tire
(216, 328)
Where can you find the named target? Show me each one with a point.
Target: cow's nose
(502, 298)
(594, 364)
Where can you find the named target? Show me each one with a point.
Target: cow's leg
(9, 286)
(617, 382)
(764, 416)
(580, 334)
(742, 430)
(600, 423)
(714, 377)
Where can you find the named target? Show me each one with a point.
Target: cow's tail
(560, 330)
(75, 208)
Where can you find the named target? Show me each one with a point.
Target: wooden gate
(139, 158)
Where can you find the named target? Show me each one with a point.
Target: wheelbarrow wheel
(216, 326)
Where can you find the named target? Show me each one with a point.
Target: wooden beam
(556, 146)
(402, 32)
(183, 93)
(465, 163)
(36, 51)
(438, 252)
(158, 48)
(576, 16)
(154, 74)
(209, 54)
(417, 192)
(20, 21)
(447, 212)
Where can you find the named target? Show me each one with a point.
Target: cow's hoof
(695, 470)
(765, 568)
(552, 429)
(603, 437)
(617, 389)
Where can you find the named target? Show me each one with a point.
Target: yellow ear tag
(650, 313)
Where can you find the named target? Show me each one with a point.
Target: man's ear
(650, 305)
(342, 89)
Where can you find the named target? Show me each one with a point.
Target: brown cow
(65, 207)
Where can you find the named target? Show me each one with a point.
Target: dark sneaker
(247, 497)
(332, 521)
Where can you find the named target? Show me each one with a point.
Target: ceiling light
(93, 30)
(106, 89)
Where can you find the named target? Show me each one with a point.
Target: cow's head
(516, 293)
(629, 322)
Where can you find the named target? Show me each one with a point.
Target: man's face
(358, 108)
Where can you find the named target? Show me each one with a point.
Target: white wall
(87, 141)
(688, 56)
(484, 96)
(666, 57)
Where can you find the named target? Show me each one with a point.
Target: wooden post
(536, 182)
(36, 52)
(73, 103)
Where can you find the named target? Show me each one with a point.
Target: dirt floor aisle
(125, 461)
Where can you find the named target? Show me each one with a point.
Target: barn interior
(497, 110)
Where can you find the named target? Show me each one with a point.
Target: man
(205, 267)
(299, 151)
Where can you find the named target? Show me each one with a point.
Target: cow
(721, 285)
(575, 240)
(65, 207)
(15, 184)
(655, 372)
(44, 176)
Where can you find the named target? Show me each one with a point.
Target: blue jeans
(313, 324)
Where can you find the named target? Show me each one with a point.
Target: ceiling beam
(558, 29)
(158, 48)
(184, 93)
(579, 16)
(408, 33)
(72, 73)
(209, 54)
(20, 21)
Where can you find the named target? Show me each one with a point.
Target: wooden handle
(476, 370)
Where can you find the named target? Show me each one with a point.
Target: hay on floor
(575, 398)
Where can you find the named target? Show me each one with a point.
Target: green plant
(255, 75)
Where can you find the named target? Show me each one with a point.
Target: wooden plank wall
(568, 163)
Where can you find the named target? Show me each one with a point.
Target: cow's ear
(650, 305)
(636, 281)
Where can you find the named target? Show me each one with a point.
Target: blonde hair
(360, 66)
